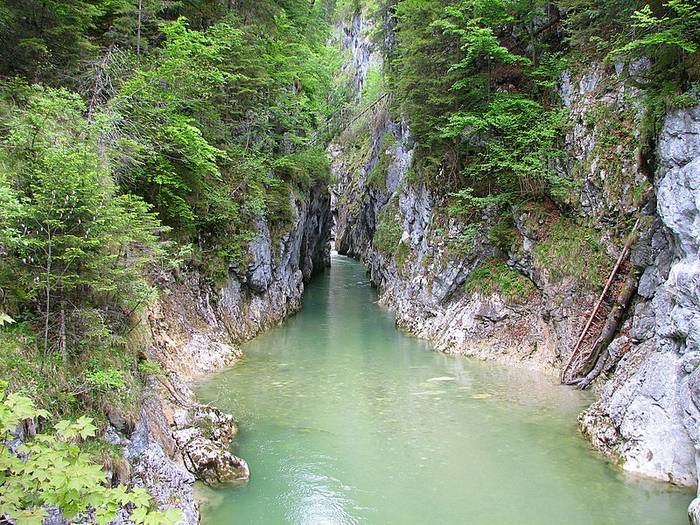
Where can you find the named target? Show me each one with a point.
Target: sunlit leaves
(679, 29)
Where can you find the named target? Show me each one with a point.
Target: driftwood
(600, 353)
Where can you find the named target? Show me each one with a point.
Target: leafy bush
(150, 368)
(54, 471)
(107, 379)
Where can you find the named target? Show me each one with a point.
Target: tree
(47, 39)
(677, 30)
(77, 245)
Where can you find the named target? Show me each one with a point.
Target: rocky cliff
(195, 327)
(518, 284)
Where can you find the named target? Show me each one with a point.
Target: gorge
(519, 181)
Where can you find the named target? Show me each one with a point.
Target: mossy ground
(495, 276)
(571, 250)
(387, 237)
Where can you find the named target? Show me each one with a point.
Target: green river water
(345, 420)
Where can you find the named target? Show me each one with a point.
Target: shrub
(54, 470)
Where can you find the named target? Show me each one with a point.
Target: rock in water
(204, 434)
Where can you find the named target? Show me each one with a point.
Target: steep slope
(195, 328)
(443, 277)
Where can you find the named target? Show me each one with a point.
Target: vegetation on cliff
(479, 83)
(136, 137)
(139, 136)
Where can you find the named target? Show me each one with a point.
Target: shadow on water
(345, 420)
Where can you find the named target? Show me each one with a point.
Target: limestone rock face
(195, 328)
(648, 412)
(647, 415)
(155, 462)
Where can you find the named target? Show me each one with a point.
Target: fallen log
(568, 368)
(600, 354)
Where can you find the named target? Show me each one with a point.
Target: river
(345, 420)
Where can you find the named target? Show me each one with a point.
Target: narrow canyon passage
(345, 420)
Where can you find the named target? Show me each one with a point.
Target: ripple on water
(344, 420)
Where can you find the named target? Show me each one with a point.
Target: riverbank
(195, 329)
(517, 283)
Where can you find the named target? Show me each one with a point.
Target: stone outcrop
(196, 326)
(648, 413)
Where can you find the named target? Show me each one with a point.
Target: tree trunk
(47, 305)
(62, 335)
(138, 29)
(600, 353)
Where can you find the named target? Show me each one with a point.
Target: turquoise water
(345, 420)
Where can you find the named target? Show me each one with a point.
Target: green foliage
(477, 86)
(467, 206)
(41, 38)
(679, 29)
(105, 379)
(387, 236)
(495, 276)
(573, 251)
(55, 471)
(76, 246)
(594, 27)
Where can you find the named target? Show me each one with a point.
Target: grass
(377, 177)
(495, 276)
(387, 236)
(90, 384)
(574, 251)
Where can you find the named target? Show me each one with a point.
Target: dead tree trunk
(600, 354)
(576, 357)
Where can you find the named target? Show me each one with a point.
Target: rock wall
(647, 415)
(648, 412)
(194, 328)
